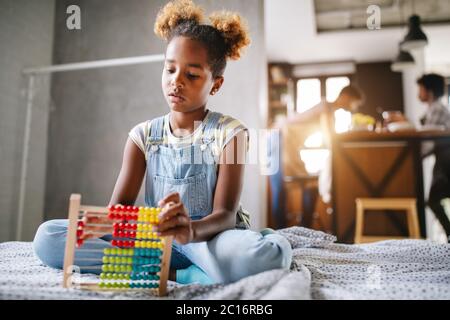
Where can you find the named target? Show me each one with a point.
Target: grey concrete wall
(26, 36)
(94, 109)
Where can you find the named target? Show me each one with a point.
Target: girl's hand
(174, 219)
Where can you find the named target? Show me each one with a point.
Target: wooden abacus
(137, 259)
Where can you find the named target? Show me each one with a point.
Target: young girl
(192, 160)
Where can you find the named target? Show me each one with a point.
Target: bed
(321, 269)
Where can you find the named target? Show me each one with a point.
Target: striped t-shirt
(227, 128)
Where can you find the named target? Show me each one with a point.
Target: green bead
(104, 267)
(105, 259)
(107, 251)
(114, 251)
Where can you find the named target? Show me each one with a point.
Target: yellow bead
(137, 244)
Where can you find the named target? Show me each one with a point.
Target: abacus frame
(75, 207)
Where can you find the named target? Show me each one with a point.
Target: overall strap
(156, 134)
(210, 127)
(157, 131)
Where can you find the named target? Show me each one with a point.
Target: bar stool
(407, 204)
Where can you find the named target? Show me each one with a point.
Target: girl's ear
(218, 81)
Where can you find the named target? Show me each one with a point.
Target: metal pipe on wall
(31, 73)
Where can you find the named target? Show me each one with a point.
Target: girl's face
(187, 79)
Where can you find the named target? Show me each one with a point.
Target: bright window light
(314, 140)
(308, 94)
(334, 85)
(315, 160)
(342, 120)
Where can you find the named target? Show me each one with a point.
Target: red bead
(80, 224)
(115, 226)
(110, 208)
(134, 226)
(114, 242)
(135, 209)
(79, 232)
(128, 209)
(119, 243)
(115, 233)
(80, 242)
(111, 216)
(132, 234)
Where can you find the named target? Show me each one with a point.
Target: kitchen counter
(378, 164)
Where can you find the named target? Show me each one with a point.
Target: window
(334, 85)
(311, 90)
(308, 94)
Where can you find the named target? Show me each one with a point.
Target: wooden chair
(407, 204)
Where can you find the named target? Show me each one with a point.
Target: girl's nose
(177, 82)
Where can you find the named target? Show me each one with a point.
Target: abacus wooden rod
(75, 201)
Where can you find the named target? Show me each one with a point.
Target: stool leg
(359, 222)
(413, 222)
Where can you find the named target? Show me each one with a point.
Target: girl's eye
(192, 76)
(170, 70)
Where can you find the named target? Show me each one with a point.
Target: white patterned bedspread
(321, 269)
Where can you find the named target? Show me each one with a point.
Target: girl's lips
(176, 99)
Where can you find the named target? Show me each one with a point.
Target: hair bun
(174, 13)
(234, 31)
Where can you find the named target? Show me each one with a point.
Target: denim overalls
(192, 172)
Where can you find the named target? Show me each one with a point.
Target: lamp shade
(403, 61)
(415, 38)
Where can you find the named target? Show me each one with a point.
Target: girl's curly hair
(224, 38)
